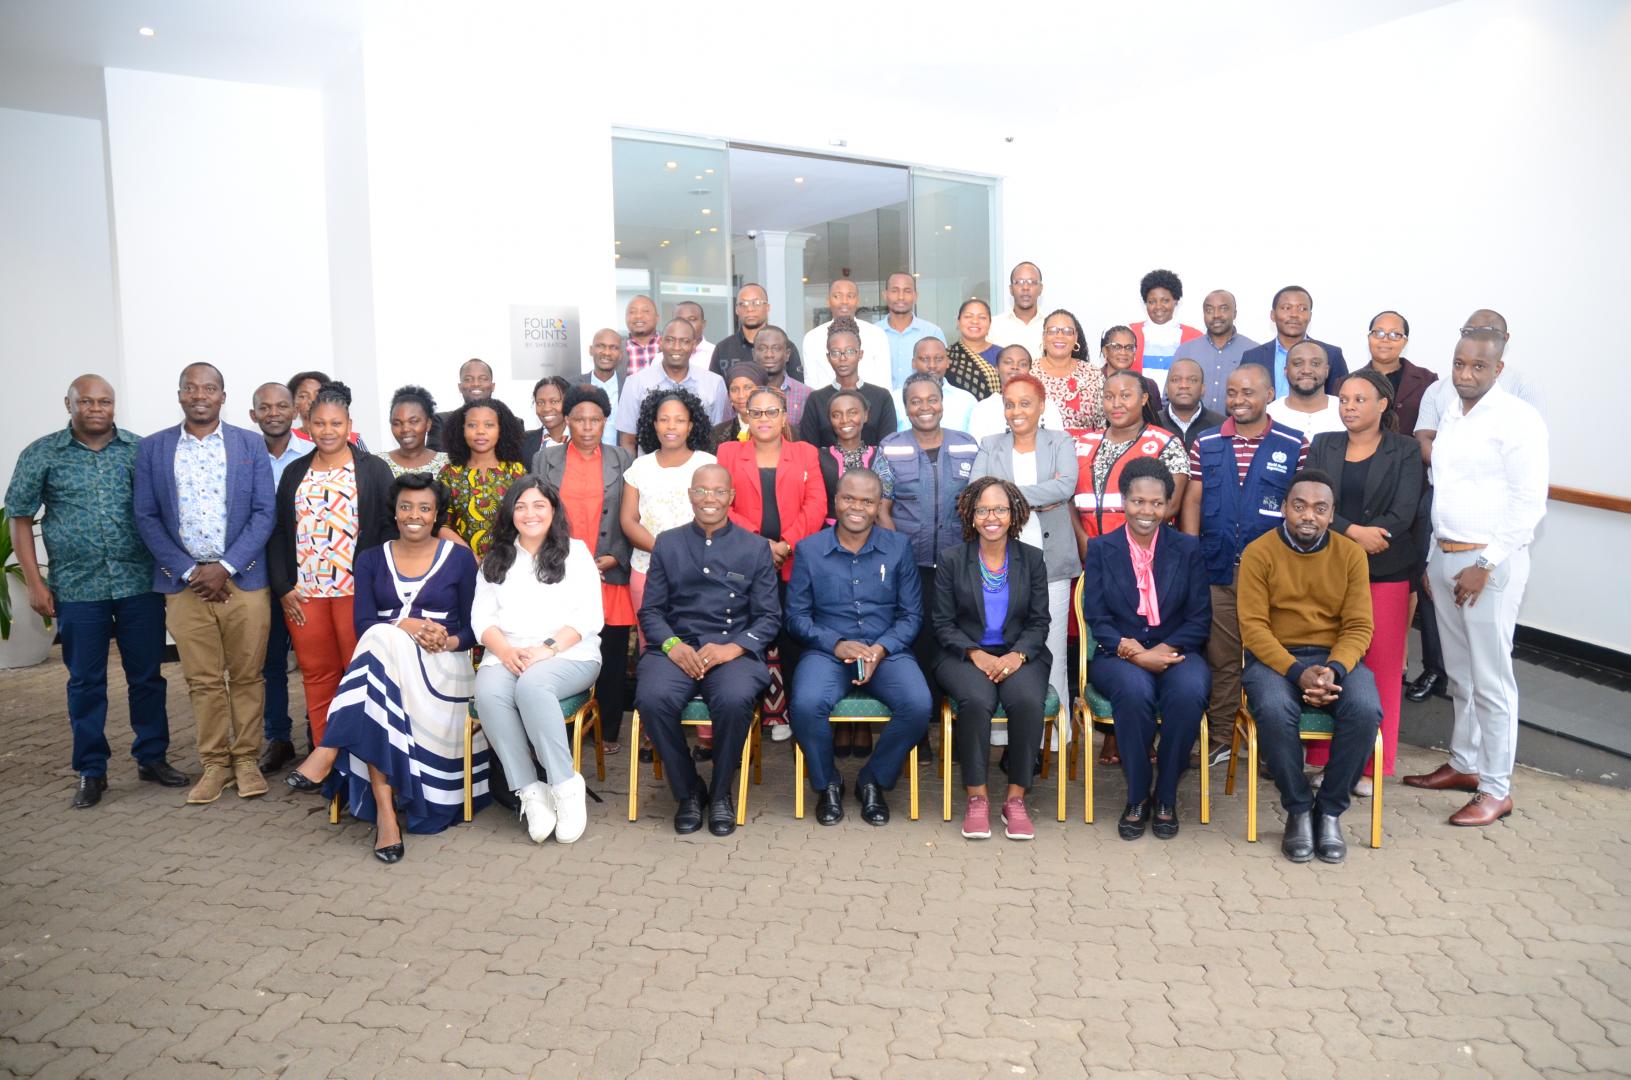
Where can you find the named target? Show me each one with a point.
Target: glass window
(953, 230)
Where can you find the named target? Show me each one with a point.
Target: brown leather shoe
(249, 779)
(1482, 809)
(216, 779)
(1444, 778)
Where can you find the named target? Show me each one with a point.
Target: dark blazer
(801, 498)
(1205, 420)
(1413, 383)
(249, 507)
(958, 612)
(376, 517)
(1392, 491)
(550, 463)
(1110, 595)
(1264, 354)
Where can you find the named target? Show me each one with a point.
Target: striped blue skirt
(402, 710)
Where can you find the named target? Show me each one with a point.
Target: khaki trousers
(223, 649)
(1224, 658)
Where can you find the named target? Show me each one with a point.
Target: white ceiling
(764, 194)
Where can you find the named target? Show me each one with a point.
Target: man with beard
(475, 384)
(1219, 350)
(1291, 312)
(641, 346)
(1185, 412)
(775, 355)
(1307, 408)
(752, 316)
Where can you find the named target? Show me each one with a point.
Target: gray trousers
(518, 712)
(1477, 642)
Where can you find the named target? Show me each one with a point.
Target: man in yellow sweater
(1305, 620)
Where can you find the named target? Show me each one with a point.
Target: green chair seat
(695, 709)
(1050, 707)
(1316, 722)
(860, 705)
(569, 705)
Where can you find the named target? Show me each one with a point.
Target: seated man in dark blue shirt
(856, 603)
(709, 613)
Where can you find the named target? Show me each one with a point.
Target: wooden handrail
(1581, 497)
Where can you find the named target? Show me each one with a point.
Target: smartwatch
(549, 643)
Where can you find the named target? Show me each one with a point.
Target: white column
(781, 266)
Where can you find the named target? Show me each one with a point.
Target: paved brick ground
(251, 938)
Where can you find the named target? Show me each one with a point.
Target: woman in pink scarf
(1148, 609)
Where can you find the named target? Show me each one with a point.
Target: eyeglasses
(753, 303)
(1468, 331)
(765, 414)
(1059, 331)
(1115, 347)
(992, 511)
(718, 493)
(843, 354)
(1392, 335)
(1025, 282)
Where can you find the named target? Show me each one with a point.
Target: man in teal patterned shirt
(101, 585)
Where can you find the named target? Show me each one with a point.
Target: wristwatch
(549, 643)
(1483, 563)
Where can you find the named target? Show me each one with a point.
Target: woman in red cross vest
(1101, 456)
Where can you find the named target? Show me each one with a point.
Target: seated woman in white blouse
(538, 612)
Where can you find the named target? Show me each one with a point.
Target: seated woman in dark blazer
(1147, 604)
(1377, 478)
(990, 614)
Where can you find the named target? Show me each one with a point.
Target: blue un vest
(1235, 514)
(925, 506)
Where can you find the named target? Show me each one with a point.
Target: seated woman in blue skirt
(1147, 605)
(396, 728)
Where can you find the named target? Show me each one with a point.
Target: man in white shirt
(606, 372)
(691, 312)
(845, 299)
(676, 370)
(1307, 408)
(987, 417)
(1021, 324)
(929, 356)
(1489, 471)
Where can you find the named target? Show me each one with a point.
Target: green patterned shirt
(89, 527)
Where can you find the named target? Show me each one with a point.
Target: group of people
(885, 514)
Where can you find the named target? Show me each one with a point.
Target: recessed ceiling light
(698, 176)
(705, 210)
(617, 256)
(696, 232)
(948, 228)
(619, 243)
(798, 179)
(806, 281)
(146, 31)
(710, 172)
(671, 164)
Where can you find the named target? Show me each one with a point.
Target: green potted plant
(25, 638)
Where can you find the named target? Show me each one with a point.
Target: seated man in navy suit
(204, 509)
(1147, 603)
(1291, 311)
(855, 602)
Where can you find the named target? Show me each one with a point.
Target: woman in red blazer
(772, 460)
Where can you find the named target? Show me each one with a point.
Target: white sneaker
(571, 809)
(999, 735)
(781, 732)
(1364, 788)
(1317, 779)
(538, 809)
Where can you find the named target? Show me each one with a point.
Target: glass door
(953, 231)
(672, 225)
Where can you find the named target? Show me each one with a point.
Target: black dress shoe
(90, 791)
(646, 756)
(299, 781)
(1430, 684)
(1298, 845)
(1165, 825)
(1134, 820)
(702, 753)
(390, 853)
(721, 817)
(1328, 842)
(874, 810)
(160, 772)
(276, 756)
(830, 804)
(688, 817)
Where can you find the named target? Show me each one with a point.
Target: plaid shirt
(797, 394)
(641, 356)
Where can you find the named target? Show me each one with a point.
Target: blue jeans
(1179, 694)
(1277, 706)
(277, 725)
(87, 628)
(821, 680)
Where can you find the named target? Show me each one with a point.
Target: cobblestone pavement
(252, 938)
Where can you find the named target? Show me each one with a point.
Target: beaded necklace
(994, 581)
